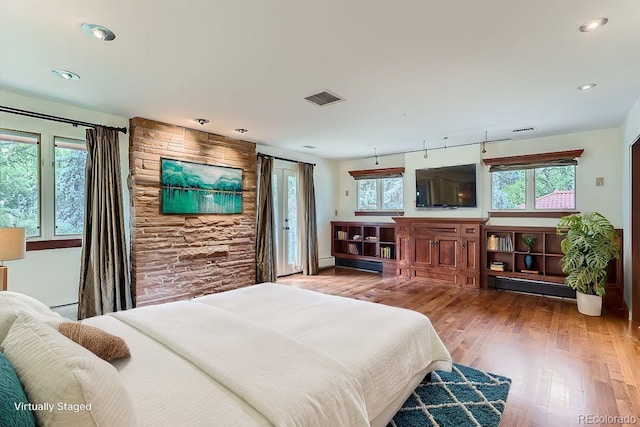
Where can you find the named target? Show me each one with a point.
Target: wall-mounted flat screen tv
(446, 187)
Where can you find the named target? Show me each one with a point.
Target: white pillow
(13, 303)
(82, 389)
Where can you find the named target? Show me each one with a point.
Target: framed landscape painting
(196, 188)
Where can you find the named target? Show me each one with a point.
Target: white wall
(630, 133)
(52, 276)
(325, 178)
(601, 158)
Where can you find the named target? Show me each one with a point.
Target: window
(553, 187)
(379, 191)
(536, 182)
(19, 181)
(42, 184)
(70, 156)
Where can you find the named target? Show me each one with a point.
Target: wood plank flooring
(563, 364)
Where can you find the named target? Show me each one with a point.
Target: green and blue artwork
(194, 188)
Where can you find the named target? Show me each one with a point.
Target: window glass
(508, 190)
(19, 181)
(392, 193)
(367, 194)
(555, 187)
(70, 158)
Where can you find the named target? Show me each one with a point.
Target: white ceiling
(409, 70)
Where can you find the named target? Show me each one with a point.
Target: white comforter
(239, 358)
(289, 383)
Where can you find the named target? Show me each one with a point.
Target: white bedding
(191, 361)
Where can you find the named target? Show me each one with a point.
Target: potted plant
(528, 258)
(589, 243)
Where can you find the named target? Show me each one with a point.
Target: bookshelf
(366, 245)
(546, 276)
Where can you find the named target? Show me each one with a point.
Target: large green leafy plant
(589, 243)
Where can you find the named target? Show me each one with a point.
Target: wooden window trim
(379, 213)
(533, 158)
(531, 214)
(376, 173)
(40, 245)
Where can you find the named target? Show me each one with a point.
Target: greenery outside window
(42, 186)
(20, 181)
(381, 194)
(553, 187)
(534, 183)
(70, 158)
(379, 191)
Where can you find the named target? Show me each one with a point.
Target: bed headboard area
(179, 256)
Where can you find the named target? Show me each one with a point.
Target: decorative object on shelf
(529, 260)
(589, 243)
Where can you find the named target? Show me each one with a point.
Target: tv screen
(447, 187)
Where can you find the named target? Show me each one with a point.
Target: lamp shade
(12, 243)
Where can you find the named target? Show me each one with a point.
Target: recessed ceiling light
(240, 130)
(593, 24)
(98, 32)
(201, 122)
(67, 75)
(587, 86)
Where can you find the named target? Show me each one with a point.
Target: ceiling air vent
(529, 129)
(323, 98)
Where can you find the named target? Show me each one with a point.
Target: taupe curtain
(265, 224)
(104, 274)
(309, 239)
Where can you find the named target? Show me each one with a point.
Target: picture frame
(189, 188)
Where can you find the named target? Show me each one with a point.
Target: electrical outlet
(600, 181)
(335, 213)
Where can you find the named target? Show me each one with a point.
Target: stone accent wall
(177, 257)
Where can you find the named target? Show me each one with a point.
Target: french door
(285, 200)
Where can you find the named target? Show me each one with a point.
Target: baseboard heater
(530, 286)
(359, 264)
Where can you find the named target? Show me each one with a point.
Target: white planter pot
(590, 305)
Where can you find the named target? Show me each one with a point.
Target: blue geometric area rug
(463, 397)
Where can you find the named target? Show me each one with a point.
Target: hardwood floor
(563, 364)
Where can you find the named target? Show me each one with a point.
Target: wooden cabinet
(439, 250)
(366, 245)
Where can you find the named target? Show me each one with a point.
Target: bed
(262, 355)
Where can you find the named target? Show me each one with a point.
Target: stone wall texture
(176, 257)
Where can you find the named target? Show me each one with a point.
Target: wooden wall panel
(177, 257)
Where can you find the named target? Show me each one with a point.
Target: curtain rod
(75, 123)
(285, 159)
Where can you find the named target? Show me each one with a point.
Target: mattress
(373, 354)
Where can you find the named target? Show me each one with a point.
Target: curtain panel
(309, 239)
(104, 276)
(265, 224)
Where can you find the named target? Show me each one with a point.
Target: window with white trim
(379, 190)
(548, 185)
(42, 184)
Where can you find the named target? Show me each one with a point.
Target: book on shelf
(530, 271)
(497, 243)
(353, 249)
(385, 252)
(497, 266)
(342, 235)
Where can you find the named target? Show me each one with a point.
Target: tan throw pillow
(99, 342)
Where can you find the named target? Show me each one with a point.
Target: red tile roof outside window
(558, 199)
